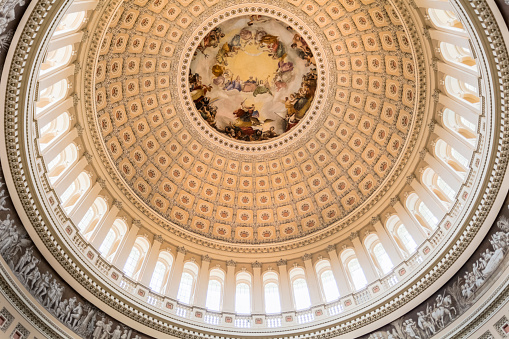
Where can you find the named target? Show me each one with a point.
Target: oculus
(253, 78)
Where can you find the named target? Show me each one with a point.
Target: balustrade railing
(212, 318)
(273, 321)
(243, 321)
(334, 308)
(305, 316)
(159, 301)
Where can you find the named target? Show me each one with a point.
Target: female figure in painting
(262, 88)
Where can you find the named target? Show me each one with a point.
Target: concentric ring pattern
(280, 188)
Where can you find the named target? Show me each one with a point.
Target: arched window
(187, 283)
(406, 239)
(157, 277)
(301, 297)
(56, 59)
(113, 239)
(51, 132)
(421, 213)
(378, 254)
(328, 283)
(93, 216)
(458, 55)
(132, 261)
(382, 258)
(51, 95)
(243, 293)
(450, 157)
(271, 292)
(462, 90)
(459, 126)
(436, 185)
(136, 256)
(428, 215)
(62, 162)
(75, 192)
(445, 19)
(161, 271)
(215, 290)
(71, 22)
(353, 269)
(401, 235)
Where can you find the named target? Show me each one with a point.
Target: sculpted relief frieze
(53, 294)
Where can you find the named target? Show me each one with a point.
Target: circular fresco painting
(253, 78)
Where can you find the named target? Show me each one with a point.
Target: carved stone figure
(8, 243)
(32, 278)
(117, 333)
(3, 201)
(29, 267)
(24, 259)
(43, 285)
(98, 328)
(75, 315)
(107, 330)
(61, 309)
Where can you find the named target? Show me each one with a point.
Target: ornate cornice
(13, 118)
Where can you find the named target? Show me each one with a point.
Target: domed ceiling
(250, 123)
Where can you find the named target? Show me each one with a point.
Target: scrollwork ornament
(256, 264)
(281, 262)
(354, 235)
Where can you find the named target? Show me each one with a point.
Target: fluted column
(460, 145)
(86, 202)
(471, 113)
(460, 74)
(337, 270)
(67, 178)
(176, 274)
(54, 149)
(65, 40)
(79, 6)
(362, 256)
(149, 265)
(126, 246)
(203, 282)
(103, 227)
(416, 231)
(452, 38)
(387, 242)
(312, 281)
(53, 77)
(229, 295)
(436, 207)
(445, 172)
(258, 299)
(438, 4)
(284, 287)
(51, 114)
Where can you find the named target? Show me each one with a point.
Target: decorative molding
(256, 264)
